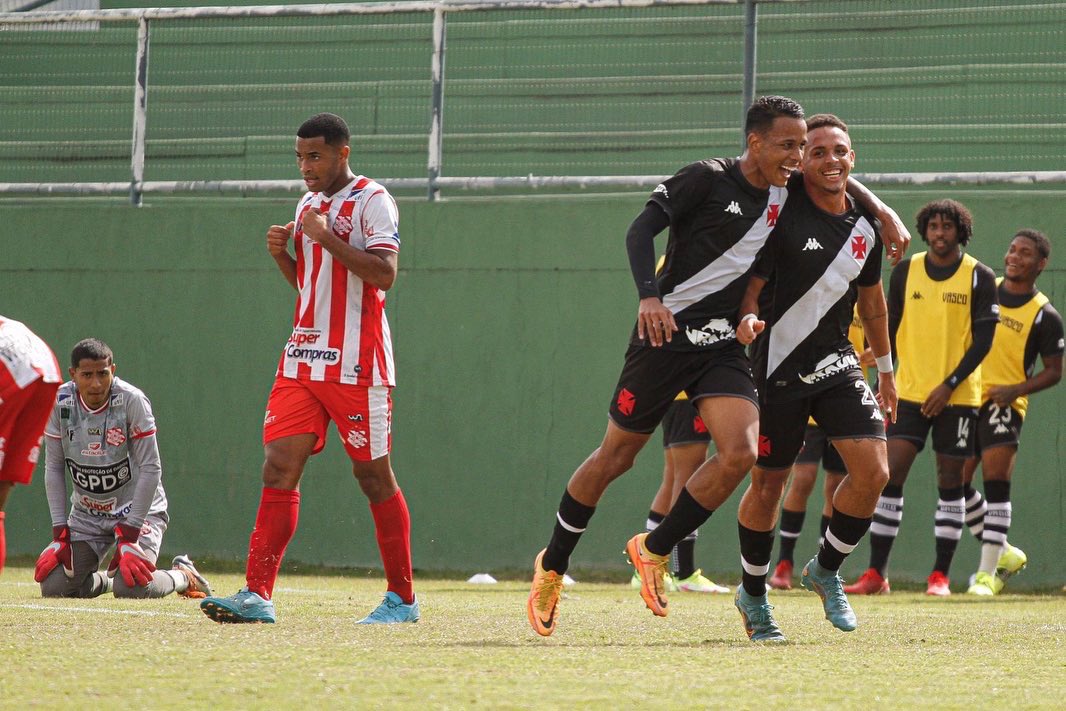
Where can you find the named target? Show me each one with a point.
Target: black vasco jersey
(814, 263)
(718, 223)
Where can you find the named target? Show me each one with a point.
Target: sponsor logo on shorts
(765, 449)
(715, 330)
(357, 438)
(626, 402)
(268, 418)
(698, 426)
(115, 436)
(829, 366)
(99, 480)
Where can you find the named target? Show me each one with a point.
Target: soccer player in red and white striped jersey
(29, 378)
(337, 365)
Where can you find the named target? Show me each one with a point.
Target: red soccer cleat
(869, 583)
(782, 577)
(937, 584)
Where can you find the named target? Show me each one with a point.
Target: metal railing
(434, 181)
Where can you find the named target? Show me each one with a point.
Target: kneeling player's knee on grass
(57, 584)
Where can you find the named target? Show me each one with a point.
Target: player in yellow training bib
(1028, 326)
(942, 315)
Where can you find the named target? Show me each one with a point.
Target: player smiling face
(778, 151)
(828, 159)
(323, 167)
(1023, 261)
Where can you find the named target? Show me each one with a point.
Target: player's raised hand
(654, 321)
(129, 560)
(315, 225)
(749, 328)
(278, 237)
(56, 553)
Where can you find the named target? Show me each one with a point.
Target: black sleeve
(686, 189)
(897, 282)
(1049, 332)
(984, 306)
(983, 332)
(640, 244)
(871, 271)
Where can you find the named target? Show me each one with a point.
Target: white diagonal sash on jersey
(803, 317)
(730, 266)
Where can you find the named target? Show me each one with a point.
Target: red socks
(392, 523)
(275, 525)
(3, 543)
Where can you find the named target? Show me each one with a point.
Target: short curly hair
(949, 209)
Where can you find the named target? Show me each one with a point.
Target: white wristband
(745, 317)
(884, 363)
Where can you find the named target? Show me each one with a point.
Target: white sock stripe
(953, 508)
(692, 536)
(997, 538)
(840, 545)
(754, 569)
(649, 525)
(789, 534)
(975, 499)
(949, 532)
(880, 529)
(567, 526)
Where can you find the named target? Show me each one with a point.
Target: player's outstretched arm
(893, 232)
(278, 237)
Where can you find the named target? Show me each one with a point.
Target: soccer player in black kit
(720, 212)
(823, 255)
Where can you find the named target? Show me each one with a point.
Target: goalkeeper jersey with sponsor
(24, 357)
(340, 332)
(96, 451)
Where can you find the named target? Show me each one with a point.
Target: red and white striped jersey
(25, 356)
(340, 333)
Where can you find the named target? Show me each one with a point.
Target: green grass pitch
(474, 649)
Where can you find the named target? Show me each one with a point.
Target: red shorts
(363, 415)
(23, 415)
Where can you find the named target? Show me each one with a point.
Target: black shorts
(997, 426)
(682, 425)
(652, 377)
(816, 448)
(845, 410)
(954, 429)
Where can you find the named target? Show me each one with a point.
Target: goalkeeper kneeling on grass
(102, 430)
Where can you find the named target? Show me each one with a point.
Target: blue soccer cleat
(830, 588)
(758, 620)
(391, 610)
(244, 606)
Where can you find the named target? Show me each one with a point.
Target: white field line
(101, 610)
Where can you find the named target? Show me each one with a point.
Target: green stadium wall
(510, 318)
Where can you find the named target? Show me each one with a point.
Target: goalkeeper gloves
(58, 551)
(129, 560)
